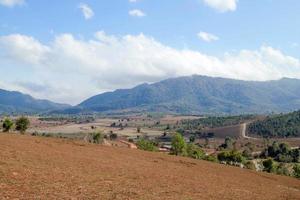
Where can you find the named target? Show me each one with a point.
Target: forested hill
(283, 125)
(201, 95)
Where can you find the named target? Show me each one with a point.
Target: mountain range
(184, 95)
(16, 102)
(202, 95)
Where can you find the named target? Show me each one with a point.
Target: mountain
(201, 95)
(16, 102)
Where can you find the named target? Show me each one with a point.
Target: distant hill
(16, 102)
(200, 95)
(282, 125)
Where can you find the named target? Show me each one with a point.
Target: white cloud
(137, 13)
(70, 69)
(207, 37)
(222, 5)
(133, 1)
(87, 11)
(11, 3)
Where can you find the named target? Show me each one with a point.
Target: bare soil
(49, 168)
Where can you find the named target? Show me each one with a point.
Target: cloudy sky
(69, 50)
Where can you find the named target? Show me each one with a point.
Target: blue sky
(69, 50)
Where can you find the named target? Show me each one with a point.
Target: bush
(211, 158)
(296, 169)
(231, 156)
(146, 145)
(178, 145)
(195, 152)
(282, 170)
(113, 136)
(250, 165)
(22, 124)
(269, 165)
(7, 125)
(96, 138)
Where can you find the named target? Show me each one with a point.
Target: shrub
(178, 145)
(211, 158)
(22, 124)
(146, 145)
(269, 165)
(113, 136)
(296, 169)
(231, 156)
(250, 165)
(195, 152)
(282, 170)
(96, 138)
(7, 125)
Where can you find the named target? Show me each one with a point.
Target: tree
(22, 124)
(7, 125)
(178, 145)
(228, 144)
(195, 152)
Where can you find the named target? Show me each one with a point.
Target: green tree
(178, 145)
(22, 124)
(7, 125)
(195, 152)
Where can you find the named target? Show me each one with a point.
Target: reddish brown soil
(48, 168)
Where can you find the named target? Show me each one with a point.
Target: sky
(67, 51)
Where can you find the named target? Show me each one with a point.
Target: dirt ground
(48, 168)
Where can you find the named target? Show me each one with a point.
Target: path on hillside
(244, 129)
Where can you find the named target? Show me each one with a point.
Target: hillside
(201, 95)
(11, 101)
(48, 168)
(282, 125)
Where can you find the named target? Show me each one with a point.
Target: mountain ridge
(17, 102)
(201, 94)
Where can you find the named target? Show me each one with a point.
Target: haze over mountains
(184, 95)
(16, 102)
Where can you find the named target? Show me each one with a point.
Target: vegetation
(283, 125)
(96, 138)
(282, 153)
(214, 122)
(179, 146)
(7, 125)
(231, 157)
(194, 151)
(296, 169)
(269, 165)
(228, 144)
(22, 124)
(146, 145)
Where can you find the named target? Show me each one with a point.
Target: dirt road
(244, 131)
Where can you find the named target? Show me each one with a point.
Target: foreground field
(48, 168)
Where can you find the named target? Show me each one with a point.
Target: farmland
(37, 167)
